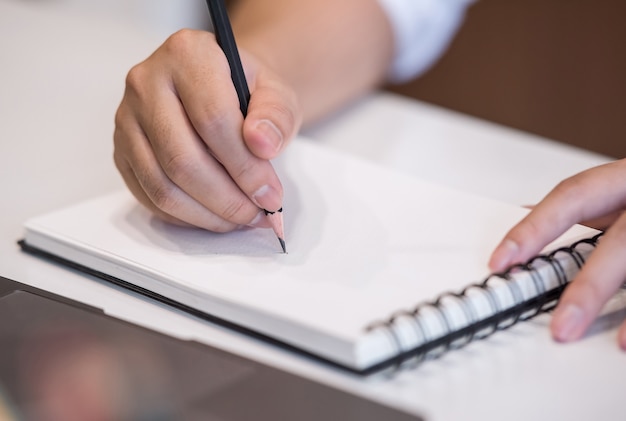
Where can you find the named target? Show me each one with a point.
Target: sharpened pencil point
(226, 40)
(276, 221)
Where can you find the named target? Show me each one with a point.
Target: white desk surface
(61, 79)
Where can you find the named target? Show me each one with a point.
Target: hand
(598, 195)
(182, 145)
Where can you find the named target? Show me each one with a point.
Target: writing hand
(182, 145)
(598, 195)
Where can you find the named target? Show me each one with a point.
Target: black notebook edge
(501, 320)
(36, 251)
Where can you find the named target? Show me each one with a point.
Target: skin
(186, 153)
(597, 195)
(181, 143)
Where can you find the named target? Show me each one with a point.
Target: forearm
(329, 51)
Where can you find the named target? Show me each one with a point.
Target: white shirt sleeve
(422, 30)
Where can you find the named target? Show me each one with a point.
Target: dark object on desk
(71, 361)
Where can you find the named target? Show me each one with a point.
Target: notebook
(382, 268)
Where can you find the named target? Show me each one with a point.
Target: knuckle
(181, 168)
(294, 113)
(122, 148)
(587, 293)
(119, 160)
(283, 115)
(185, 43)
(234, 210)
(570, 189)
(180, 41)
(163, 198)
(118, 120)
(122, 124)
(117, 137)
(215, 125)
(288, 117)
(594, 292)
(525, 231)
(135, 78)
(161, 194)
(243, 170)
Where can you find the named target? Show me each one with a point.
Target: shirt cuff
(422, 31)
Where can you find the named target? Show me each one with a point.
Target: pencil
(226, 40)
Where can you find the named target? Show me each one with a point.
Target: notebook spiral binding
(476, 328)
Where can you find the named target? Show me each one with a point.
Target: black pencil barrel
(226, 40)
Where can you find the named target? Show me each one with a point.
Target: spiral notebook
(382, 268)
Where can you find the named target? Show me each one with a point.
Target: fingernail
(504, 255)
(566, 323)
(259, 221)
(270, 132)
(267, 198)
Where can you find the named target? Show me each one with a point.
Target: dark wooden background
(556, 68)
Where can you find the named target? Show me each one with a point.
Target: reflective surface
(65, 362)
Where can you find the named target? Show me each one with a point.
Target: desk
(62, 78)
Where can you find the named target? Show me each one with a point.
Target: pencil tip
(276, 221)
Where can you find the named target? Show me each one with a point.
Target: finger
(603, 222)
(213, 110)
(600, 278)
(186, 162)
(182, 154)
(144, 177)
(621, 336)
(579, 198)
(273, 118)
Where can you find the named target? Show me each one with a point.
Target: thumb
(274, 116)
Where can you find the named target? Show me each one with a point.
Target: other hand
(597, 195)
